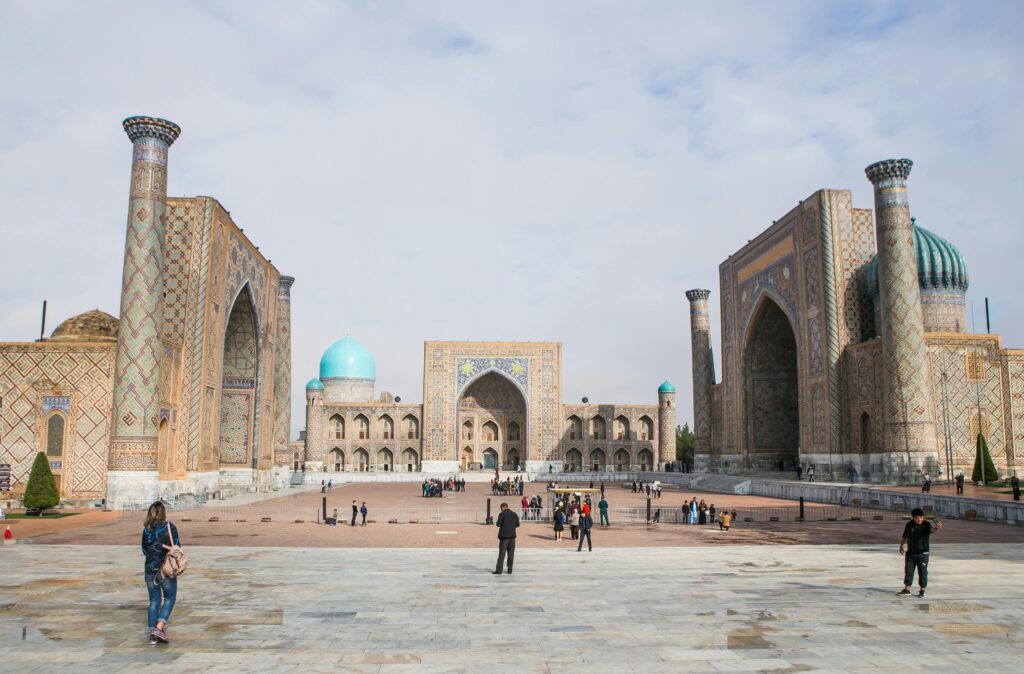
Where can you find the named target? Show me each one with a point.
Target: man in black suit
(507, 523)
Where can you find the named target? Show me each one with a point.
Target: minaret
(703, 368)
(666, 450)
(314, 451)
(283, 370)
(135, 410)
(908, 417)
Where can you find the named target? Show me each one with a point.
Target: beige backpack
(175, 561)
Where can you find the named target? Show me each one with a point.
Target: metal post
(648, 509)
(325, 508)
(42, 328)
(801, 508)
(988, 323)
(489, 520)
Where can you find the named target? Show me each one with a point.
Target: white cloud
(537, 171)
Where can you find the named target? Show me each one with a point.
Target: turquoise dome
(666, 387)
(940, 266)
(314, 384)
(347, 359)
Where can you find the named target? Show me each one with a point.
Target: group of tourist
(699, 512)
(356, 512)
(532, 507)
(508, 486)
(435, 487)
(653, 490)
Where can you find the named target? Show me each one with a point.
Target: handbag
(175, 561)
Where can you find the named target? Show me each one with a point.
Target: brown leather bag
(175, 561)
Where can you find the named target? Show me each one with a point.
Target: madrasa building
(845, 347)
(486, 406)
(187, 391)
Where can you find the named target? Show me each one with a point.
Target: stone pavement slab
(74, 608)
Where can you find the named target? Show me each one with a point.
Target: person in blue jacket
(157, 532)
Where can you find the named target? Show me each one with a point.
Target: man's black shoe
(496, 573)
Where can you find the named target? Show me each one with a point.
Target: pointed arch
(362, 427)
(336, 430)
(622, 459)
(598, 460)
(574, 427)
(573, 460)
(771, 385)
(411, 426)
(646, 430)
(385, 459)
(386, 426)
(622, 427)
(239, 400)
(598, 428)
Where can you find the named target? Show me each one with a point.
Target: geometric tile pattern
(907, 395)
(76, 378)
(235, 424)
(702, 366)
(283, 371)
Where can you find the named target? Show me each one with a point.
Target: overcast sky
(503, 171)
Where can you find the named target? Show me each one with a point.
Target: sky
(528, 171)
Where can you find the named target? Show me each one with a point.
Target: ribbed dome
(940, 266)
(347, 359)
(666, 387)
(314, 384)
(92, 326)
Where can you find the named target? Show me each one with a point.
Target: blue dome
(347, 359)
(315, 384)
(940, 266)
(666, 387)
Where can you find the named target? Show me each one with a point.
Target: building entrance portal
(771, 387)
(494, 405)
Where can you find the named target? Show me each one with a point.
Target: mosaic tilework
(908, 398)
(444, 378)
(136, 379)
(240, 340)
(177, 249)
(702, 366)
(235, 425)
(75, 378)
(283, 372)
(1013, 381)
(191, 404)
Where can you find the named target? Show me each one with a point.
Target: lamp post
(945, 424)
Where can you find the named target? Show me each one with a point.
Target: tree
(684, 444)
(41, 491)
(982, 458)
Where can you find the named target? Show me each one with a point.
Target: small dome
(92, 326)
(940, 266)
(347, 359)
(666, 387)
(314, 384)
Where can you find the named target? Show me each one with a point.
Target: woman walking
(157, 535)
(559, 524)
(574, 523)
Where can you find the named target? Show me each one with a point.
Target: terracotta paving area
(381, 534)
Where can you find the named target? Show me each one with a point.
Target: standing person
(574, 522)
(634, 486)
(526, 508)
(960, 483)
(507, 523)
(799, 472)
(586, 525)
(702, 510)
(602, 507)
(330, 483)
(602, 488)
(363, 511)
(559, 524)
(915, 539)
(355, 511)
(711, 514)
(157, 534)
(693, 510)
(1015, 487)
(323, 486)
(926, 486)
(810, 473)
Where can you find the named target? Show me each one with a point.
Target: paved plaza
(697, 609)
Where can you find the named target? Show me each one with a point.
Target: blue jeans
(166, 590)
(917, 563)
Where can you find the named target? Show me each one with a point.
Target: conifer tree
(983, 461)
(41, 491)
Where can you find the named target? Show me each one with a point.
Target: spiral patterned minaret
(703, 367)
(908, 417)
(136, 402)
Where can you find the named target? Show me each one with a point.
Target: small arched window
(55, 436)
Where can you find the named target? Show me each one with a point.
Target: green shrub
(983, 461)
(41, 491)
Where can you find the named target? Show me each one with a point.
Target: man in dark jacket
(916, 535)
(586, 524)
(507, 523)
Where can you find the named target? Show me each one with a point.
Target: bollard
(325, 509)
(648, 509)
(489, 520)
(801, 508)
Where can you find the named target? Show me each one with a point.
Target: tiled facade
(487, 405)
(190, 390)
(868, 387)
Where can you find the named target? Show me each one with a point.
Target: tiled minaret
(314, 450)
(136, 404)
(666, 424)
(283, 371)
(908, 417)
(703, 367)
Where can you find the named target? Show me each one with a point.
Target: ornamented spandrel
(136, 400)
(907, 396)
